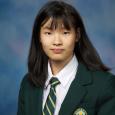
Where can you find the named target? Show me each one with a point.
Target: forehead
(53, 23)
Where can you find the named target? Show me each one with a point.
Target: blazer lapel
(76, 91)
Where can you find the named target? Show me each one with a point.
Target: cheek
(44, 45)
(44, 41)
(71, 43)
(71, 47)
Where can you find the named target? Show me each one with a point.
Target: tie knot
(54, 82)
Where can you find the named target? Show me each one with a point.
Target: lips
(57, 51)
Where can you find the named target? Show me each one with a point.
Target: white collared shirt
(65, 76)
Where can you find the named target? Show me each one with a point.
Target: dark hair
(84, 50)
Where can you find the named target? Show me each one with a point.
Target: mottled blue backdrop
(16, 21)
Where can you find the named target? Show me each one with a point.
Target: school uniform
(88, 93)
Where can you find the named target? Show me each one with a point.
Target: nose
(57, 39)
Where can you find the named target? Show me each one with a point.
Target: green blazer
(91, 92)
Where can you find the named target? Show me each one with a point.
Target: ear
(78, 34)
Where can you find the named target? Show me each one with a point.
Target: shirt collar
(65, 74)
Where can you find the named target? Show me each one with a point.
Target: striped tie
(50, 104)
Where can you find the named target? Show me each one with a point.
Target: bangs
(59, 23)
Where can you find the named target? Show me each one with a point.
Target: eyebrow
(47, 27)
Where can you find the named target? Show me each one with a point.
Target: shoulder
(101, 76)
(97, 78)
(106, 85)
(105, 82)
(26, 85)
(25, 80)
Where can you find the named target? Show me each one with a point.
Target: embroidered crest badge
(80, 111)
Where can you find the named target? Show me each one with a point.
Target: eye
(48, 33)
(66, 33)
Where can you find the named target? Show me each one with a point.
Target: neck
(57, 66)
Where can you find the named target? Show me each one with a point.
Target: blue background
(16, 22)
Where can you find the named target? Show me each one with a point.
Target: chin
(56, 58)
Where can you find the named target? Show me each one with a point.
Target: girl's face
(58, 44)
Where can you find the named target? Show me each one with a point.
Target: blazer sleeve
(20, 109)
(107, 98)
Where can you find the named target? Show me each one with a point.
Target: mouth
(57, 50)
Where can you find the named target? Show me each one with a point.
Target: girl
(65, 73)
